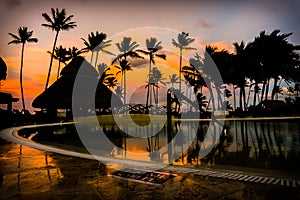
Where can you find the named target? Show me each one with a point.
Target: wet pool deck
(28, 173)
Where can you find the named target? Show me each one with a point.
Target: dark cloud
(10, 4)
(204, 24)
(139, 62)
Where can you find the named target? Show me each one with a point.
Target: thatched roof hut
(3, 69)
(59, 94)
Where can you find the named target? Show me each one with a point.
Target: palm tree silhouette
(111, 82)
(158, 78)
(74, 52)
(222, 59)
(119, 92)
(270, 46)
(152, 46)
(23, 36)
(173, 79)
(124, 66)
(194, 73)
(96, 43)
(240, 70)
(183, 42)
(102, 70)
(59, 22)
(62, 55)
(127, 48)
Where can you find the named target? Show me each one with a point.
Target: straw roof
(59, 94)
(3, 69)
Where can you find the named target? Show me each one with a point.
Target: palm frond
(163, 56)
(143, 52)
(189, 48)
(48, 26)
(33, 40)
(14, 42)
(47, 18)
(14, 36)
(175, 43)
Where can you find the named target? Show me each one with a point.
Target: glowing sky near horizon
(215, 22)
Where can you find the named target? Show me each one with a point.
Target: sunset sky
(210, 22)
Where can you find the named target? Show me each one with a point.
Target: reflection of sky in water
(255, 141)
(29, 170)
(260, 143)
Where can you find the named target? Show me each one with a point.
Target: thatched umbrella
(59, 94)
(3, 69)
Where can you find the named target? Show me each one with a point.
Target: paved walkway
(10, 135)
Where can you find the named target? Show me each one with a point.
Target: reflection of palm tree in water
(19, 166)
(46, 162)
(154, 147)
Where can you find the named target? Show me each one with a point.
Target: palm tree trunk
(267, 89)
(156, 94)
(96, 60)
(58, 70)
(180, 63)
(125, 92)
(244, 99)
(51, 60)
(92, 57)
(148, 89)
(249, 93)
(274, 88)
(21, 77)
(278, 89)
(234, 100)
(255, 94)
(241, 98)
(263, 91)
(212, 99)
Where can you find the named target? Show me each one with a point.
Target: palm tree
(111, 82)
(58, 22)
(62, 55)
(194, 73)
(158, 78)
(127, 48)
(183, 42)
(173, 79)
(119, 92)
(23, 36)
(102, 70)
(222, 59)
(91, 43)
(152, 46)
(277, 57)
(96, 43)
(240, 69)
(74, 52)
(124, 66)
